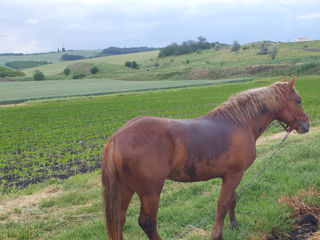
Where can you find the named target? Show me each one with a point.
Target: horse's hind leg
(126, 195)
(148, 215)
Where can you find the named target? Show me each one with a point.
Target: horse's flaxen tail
(111, 196)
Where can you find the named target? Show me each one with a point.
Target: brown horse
(146, 151)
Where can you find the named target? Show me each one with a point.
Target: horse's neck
(259, 124)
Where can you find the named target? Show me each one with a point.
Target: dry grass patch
(15, 209)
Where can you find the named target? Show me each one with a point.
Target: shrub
(38, 76)
(132, 64)
(263, 48)
(135, 65)
(273, 52)
(67, 71)
(78, 76)
(218, 46)
(128, 64)
(94, 70)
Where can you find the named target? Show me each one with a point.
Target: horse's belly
(198, 170)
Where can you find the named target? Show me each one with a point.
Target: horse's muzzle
(303, 127)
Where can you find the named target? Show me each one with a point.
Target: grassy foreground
(72, 209)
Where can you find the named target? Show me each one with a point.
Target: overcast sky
(45, 25)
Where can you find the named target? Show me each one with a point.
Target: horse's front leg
(232, 215)
(229, 184)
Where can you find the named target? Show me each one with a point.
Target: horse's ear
(291, 83)
(284, 79)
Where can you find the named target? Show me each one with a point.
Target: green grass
(25, 64)
(44, 133)
(57, 138)
(76, 212)
(8, 72)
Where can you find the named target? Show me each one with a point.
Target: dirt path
(12, 105)
(280, 135)
(25, 203)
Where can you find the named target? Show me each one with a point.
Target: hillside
(6, 73)
(292, 58)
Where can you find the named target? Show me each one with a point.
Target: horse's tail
(111, 196)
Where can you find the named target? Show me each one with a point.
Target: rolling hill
(292, 58)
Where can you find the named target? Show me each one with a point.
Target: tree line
(117, 51)
(187, 47)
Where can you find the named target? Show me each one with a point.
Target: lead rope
(238, 194)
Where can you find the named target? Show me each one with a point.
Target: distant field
(207, 64)
(11, 92)
(49, 57)
(58, 67)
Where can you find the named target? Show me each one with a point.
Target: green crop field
(39, 138)
(15, 92)
(54, 140)
(49, 57)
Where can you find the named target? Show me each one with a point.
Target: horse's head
(292, 113)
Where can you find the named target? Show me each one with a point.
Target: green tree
(67, 71)
(273, 52)
(128, 64)
(135, 65)
(38, 76)
(94, 70)
(263, 48)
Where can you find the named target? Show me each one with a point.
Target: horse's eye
(299, 101)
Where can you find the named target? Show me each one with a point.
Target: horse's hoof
(217, 236)
(234, 225)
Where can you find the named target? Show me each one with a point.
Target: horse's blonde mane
(249, 104)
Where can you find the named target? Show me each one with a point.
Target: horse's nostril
(305, 127)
